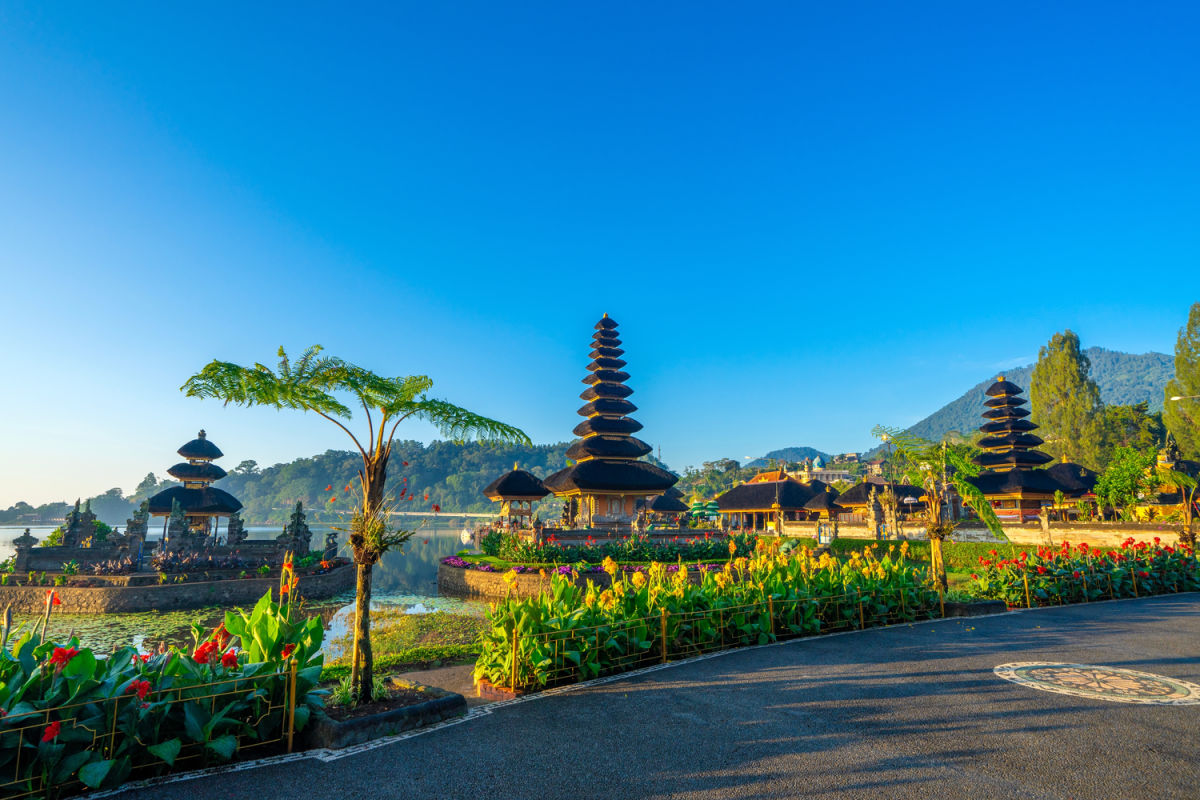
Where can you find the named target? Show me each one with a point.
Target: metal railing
(112, 728)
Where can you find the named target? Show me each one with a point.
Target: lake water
(406, 580)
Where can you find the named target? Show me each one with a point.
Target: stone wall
(243, 592)
(1094, 533)
(461, 582)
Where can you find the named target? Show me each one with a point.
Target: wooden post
(664, 636)
(291, 694)
(1133, 574)
(1028, 600)
(513, 680)
(771, 614)
(862, 623)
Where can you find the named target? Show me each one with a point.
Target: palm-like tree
(313, 383)
(938, 468)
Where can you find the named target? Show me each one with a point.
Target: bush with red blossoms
(59, 701)
(1083, 573)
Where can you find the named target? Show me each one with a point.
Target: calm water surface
(406, 580)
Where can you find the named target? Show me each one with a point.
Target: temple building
(195, 507)
(602, 488)
(516, 491)
(1011, 480)
(771, 498)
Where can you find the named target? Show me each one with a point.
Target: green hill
(1123, 378)
(790, 455)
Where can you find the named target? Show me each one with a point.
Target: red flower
(1143, 574)
(229, 660)
(51, 731)
(405, 463)
(347, 488)
(326, 564)
(142, 688)
(974, 577)
(142, 658)
(52, 597)
(205, 652)
(992, 553)
(1076, 574)
(1041, 570)
(436, 508)
(221, 636)
(288, 649)
(62, 655)
(329, 488)
(285, 589)
(288, 566)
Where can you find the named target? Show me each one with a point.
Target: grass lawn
(413, 641)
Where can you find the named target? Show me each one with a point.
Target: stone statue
(331, 547)
(891, 518)
(235, 531)
(23, 543)
(176, 538)
(296, 536)
(874, 512)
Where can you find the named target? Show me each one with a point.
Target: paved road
(907, 712)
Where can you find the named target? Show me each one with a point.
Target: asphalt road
(905, 712)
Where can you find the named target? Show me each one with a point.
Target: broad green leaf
(168, 751)
(224, 746)
(94, 773)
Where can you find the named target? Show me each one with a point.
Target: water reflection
(405, 579)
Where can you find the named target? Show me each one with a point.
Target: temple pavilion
(602, 488)
(1012, 482)
(516, 491)
(201, 504)
(771, 498)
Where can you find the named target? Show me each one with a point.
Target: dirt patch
(398, 697)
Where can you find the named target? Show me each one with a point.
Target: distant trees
(1065, 402)
(1129, 426)
(1182, 417)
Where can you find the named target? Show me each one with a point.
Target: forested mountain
(452, 475)
(790, 455)
(1123, 378)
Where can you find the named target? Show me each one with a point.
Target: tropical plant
(1187, 486)
(939, 469)
(573, 632)
(313, 383)
(1182, 416)
(58, 700)
(1127, 478)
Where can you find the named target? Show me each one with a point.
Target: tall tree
(1130, 426)
(1182, 417)
(1065, 402)
(940, 469)
(313, 383)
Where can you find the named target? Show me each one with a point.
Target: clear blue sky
(808, 218)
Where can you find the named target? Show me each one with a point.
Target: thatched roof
(792, 495)
(204, 471)
(615, 390)
(607, 426)
(1075, 480)
(1015, 440)
(604, 362)
(857, 495)
(603, 475)
(608, 447)
(611, 406)
(1002, 387)
(1037, 481)
(664, 504)
(1006, 412)
(1010, 425)
(200, 448)
(1015, 458)
(824, 501)
(516, 485)
(606, 376)
(194, 501)
(606, 352)
(606, 323)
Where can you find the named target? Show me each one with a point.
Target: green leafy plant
(70, 567)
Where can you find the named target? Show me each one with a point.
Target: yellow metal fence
(267, 724)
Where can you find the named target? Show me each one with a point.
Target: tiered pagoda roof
(518, 484)
(196, 496)
(607, 453)
(1008, 444)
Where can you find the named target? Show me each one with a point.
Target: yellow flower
(732, 547)
(510, 577)
(638, 580)
(609, 566)
(590, 600)
(542, 572)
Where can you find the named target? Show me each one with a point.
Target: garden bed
(409, 705)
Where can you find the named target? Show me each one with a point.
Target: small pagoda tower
(201, 503)
(602, 488)
(1012, 482)
(516, 491)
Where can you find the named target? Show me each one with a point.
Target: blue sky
(808, 218)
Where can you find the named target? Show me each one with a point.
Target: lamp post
(1179, 397)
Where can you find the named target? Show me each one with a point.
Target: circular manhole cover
(1101, 683)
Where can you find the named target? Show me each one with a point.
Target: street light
(1185, 397)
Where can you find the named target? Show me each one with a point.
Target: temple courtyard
(911, 711)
